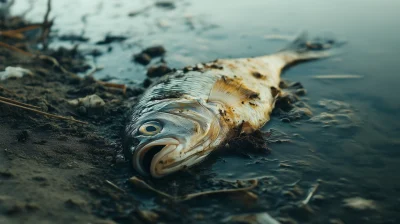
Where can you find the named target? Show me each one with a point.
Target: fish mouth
(146, 157)
(162, 157)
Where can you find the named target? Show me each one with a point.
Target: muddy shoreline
(71, 169)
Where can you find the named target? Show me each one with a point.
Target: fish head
(174, 136)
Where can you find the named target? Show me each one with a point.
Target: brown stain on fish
(258, 75)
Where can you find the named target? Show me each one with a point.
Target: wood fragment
(122, 87)
(18, 103)
(43, 113)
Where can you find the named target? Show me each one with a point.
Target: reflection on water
(353, 136)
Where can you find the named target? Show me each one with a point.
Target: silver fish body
(189, 113)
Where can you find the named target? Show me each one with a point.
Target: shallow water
(362, 146)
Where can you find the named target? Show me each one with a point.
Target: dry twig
(42, 113)
(18, 103)
(140, 183)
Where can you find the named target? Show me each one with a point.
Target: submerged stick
(311, 193)
(18, 103)
(43, 113)
(140, 183)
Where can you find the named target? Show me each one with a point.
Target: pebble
(142, 58)
(158, 71)
(165, 4)
(89, 104)
(154, 51)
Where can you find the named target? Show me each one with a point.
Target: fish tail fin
(304, 49)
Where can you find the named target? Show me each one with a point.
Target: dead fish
(189, 113)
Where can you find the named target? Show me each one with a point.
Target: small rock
(147, 83)
(359, 203)
(92, 103)
(154, 51)
(158, 71)
(142, 58)
(165, 4)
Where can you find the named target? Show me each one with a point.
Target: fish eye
(150, 128)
